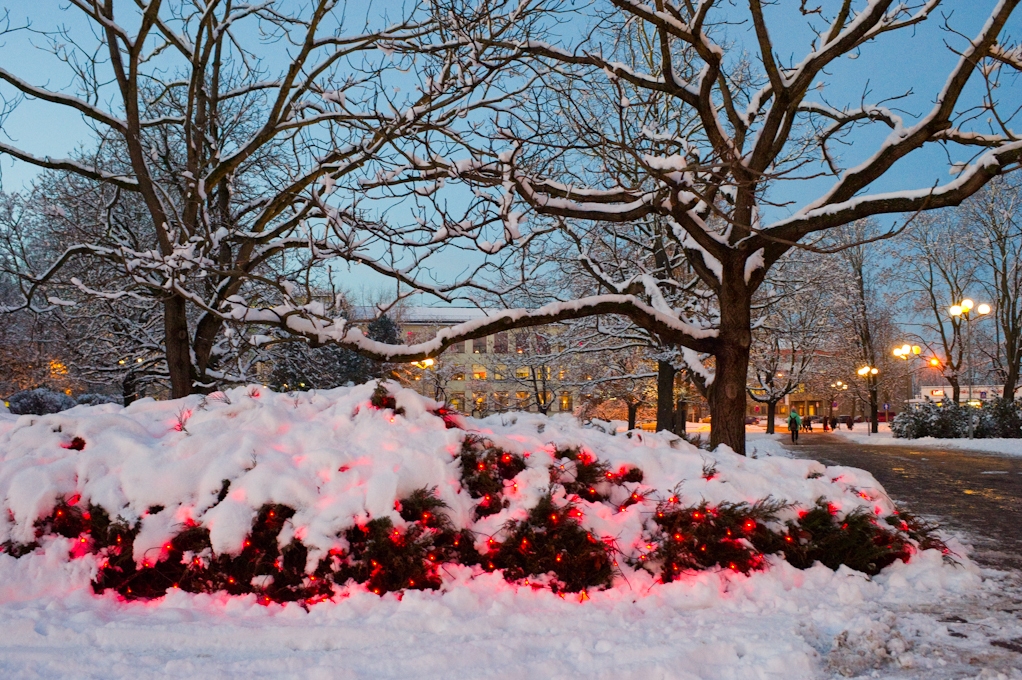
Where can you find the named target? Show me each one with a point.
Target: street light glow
(967, 304)
(983, 308)
(956, 310)
(934, 362)
(874, 371)
(916, 349)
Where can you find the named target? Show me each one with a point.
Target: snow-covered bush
(997, 418)
(39, 401)
(291, 497)
(93, 399)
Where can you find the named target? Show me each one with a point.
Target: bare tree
(997, 242)
(742, 122)
(246, 131)
(938, 268)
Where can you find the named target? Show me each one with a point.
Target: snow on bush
(290, 496)
(39, 401)
(997, 418)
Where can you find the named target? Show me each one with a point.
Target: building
(975, 393)
(512, 370)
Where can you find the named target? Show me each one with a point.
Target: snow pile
(250, 486)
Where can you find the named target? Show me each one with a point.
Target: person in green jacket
(794, 425)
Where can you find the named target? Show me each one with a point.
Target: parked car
(751, 420)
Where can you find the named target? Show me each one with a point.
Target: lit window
(500, 373)
(522, 373)
(565, 404)
(500, 401)
(458, 401)
(479, 346)
(458, 376)
(478, 372)
(480, 401)
(522, 399)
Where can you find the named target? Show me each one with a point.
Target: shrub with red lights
(552, 545)
(729, 535)
(583, 475)
(485, 470)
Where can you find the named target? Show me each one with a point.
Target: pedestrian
(794, 425)
(809, 423)
(826, 422)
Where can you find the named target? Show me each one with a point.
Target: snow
(336, 459)
(1006, 447)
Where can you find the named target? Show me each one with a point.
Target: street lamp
(908, 352)
(869, 374)
(963, 309)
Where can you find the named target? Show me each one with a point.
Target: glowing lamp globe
(983, 308)
(967, 304)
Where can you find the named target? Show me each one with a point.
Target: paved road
(978, 493)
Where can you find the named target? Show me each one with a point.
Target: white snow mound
(338, 461)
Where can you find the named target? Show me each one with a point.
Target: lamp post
(869, 374)
(909, 353)
(963, 310)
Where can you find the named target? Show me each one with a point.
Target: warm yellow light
(983, 308)
(934, 361)
(916, 349)
(967, 304)
(897, 351)
(905, 349)
(863, 371)
(874, 371)
(139, 360)
(121, 362)
(956, 310)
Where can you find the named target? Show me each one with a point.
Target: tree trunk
(664, 395)
(129, 388)
(680, 417)
(633, 411)
(771, 413)
(956, 390)
(727, 393)
(1011, 375)
(179, 361)
(873, 410)
(206, 332)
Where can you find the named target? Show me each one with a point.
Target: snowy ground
(924, 619)
(782, 624)
(860, 435)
